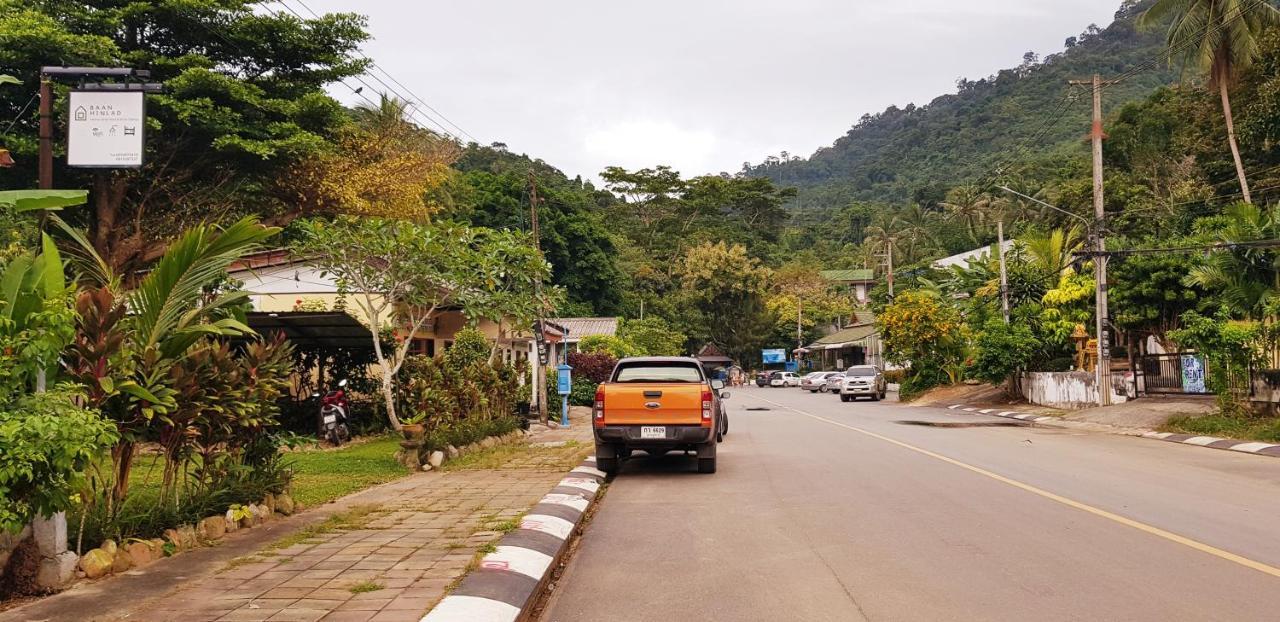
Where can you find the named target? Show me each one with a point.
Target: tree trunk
(389, 395)
(1231, 135)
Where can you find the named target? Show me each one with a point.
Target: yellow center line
(1155, 531)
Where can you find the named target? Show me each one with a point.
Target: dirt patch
(965, 394)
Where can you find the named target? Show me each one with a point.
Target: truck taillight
(706, 408)
(597, 411)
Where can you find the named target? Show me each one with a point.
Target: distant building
(978, 254)
(858, 281)
(579, 327)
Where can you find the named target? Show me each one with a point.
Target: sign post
(564, 386)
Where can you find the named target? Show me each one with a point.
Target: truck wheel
(875, 397)
(707, 457)
(706, 465)
(608, 465)
(844, 398)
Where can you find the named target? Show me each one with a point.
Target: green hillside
(917, 152)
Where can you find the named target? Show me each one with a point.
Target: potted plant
(413, 427)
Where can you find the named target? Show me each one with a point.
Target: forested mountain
(915, 153)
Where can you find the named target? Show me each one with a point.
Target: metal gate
(1179, 372)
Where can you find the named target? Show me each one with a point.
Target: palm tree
(389, 113)
(1246, 278)
(969, 205)
(1051, 252)
(1220, 36)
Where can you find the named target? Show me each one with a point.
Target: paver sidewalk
(391, 557)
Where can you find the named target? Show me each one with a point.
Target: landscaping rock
(109, 546)
(157, 548)
(212, 528)
(270, 502)
(51, 534)
(229, 520)
(426, 467)
(488, 442)
(172, 537)
(96, 563)
(188, 533)
(139, 553)
(265, 513)
(451, 452)
(57, 571)
(284, 504)
(122, 561)
(435, 459)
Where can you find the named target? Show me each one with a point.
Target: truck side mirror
(717, 384)
(724, 395)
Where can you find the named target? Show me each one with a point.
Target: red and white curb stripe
(507, 581)
(1212, 442)
(1007, 414)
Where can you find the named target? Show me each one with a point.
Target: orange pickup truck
(658, 404)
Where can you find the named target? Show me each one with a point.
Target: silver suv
(862, 380)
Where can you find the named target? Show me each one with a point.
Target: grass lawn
(324, 475)
(1265, 429)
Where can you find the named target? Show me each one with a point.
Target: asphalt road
(823, 510)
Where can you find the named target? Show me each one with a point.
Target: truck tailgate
(653, 403)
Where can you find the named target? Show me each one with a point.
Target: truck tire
(875, 397)
(844, 398)
(608, 465)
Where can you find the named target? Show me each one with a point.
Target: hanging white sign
(105, 129)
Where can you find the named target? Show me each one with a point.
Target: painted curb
(507, 582)
(1212, 442)
(1007, 414)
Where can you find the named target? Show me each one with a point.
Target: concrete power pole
(539, 393)
(1100, 246)
(1004, 278)
(889, 257)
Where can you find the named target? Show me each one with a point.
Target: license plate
(330, 418)
(653, 431)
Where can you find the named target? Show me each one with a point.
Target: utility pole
(539, 372)
(799, 330)
(46, 132)
(889, 257)
(1004, 279)
(1100, 245)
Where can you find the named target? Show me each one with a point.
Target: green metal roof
(860, 274)
(853, 333)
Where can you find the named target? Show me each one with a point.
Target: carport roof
(313, 329)
(851, 336)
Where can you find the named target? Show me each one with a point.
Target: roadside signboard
(775, 355)
(105, 129)
(1192, 373)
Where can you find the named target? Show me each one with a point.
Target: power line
(415, 96)
(15, 120)
(413, 111)
(1269, 243)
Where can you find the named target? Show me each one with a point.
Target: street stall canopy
(313, 329)
(712, 356)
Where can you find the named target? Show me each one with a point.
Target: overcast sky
(701, 85)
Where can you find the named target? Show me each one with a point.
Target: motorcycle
(334, 407)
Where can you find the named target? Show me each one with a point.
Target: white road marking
(1251, 447)
(573, 501)
(986, 410)
(528, 562)
(471, 609)
(589, 471)
(1129, 522)
(553, 525)
(954, 406)
(1201, 440)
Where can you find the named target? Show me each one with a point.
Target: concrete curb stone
(1211, 442)
(508, 581)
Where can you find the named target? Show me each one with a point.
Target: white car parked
(784, 379)
(863, 380)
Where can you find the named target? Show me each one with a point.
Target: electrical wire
(22, 112)
(413, 95)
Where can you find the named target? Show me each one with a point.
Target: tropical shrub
(653, 336)
(1002, 350)
(612, 345)
(920, 329)
(48, 442)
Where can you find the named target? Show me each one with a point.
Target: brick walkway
(390, 558)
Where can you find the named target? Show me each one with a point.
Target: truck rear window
(658, 372)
